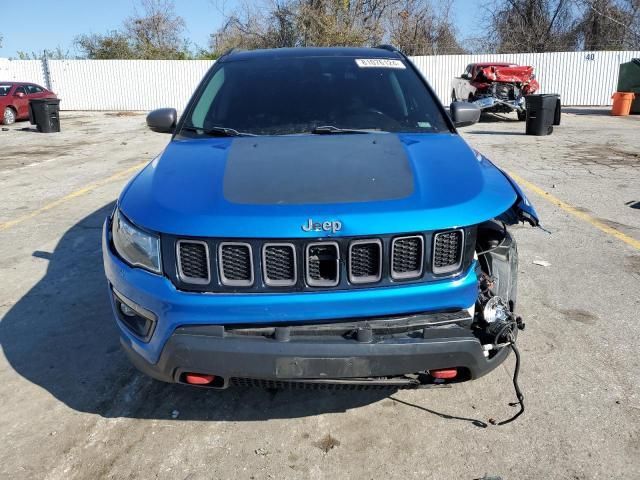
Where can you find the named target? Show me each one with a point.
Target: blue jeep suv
(315, 219)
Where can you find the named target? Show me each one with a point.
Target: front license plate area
(298, 367)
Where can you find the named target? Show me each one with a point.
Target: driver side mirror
(464, 114)
(162, 120)
(20, 95)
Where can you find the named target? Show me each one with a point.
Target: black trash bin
(45, 114)
(541, 113)
(557, 113)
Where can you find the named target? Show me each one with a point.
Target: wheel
(522, 115)
(9, 116)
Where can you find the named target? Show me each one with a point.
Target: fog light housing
(495, 310)
(140, 321)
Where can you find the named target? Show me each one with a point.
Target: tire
(9, 116)
(522, 115)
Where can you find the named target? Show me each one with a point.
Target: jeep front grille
(323, 264)
(447, 251)
(304, 265)
(407, 257)
(236, 264)
(193, 262)
(365, 261)
(279, 264)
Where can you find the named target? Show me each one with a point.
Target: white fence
(581, 78)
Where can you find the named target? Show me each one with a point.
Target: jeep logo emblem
(311, 226)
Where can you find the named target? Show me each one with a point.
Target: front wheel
(9, 116)
(522, 115)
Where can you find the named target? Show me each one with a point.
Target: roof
(312, 52)
(17, 83)
(495, 64)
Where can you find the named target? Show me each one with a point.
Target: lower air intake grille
(447, 251)
(323, 264)
(406, 257)
(279, 264)
(236, 264)
(365, 261)
(193, 262)
(301, 385)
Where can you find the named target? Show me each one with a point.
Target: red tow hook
(198, 378)
(444, 373)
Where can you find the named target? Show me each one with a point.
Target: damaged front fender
(522, 210)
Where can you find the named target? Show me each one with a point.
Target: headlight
(136, 247)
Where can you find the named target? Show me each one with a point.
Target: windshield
(4, 90)
(283, 96)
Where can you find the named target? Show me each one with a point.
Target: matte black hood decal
(296, 170)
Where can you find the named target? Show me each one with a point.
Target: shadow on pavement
(61, 336)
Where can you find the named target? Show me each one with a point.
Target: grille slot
(407, 257)
(323, 264)
(236, 264)
(279, 264)
(193, 262)
(365, 261)
(447, 251)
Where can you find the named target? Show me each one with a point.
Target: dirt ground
(71, 406)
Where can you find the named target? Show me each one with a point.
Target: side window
(21, 90)
(468, 70)
(206, 99)
(33, 89)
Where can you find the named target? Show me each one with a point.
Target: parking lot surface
(71, 406)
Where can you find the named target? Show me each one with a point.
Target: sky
(52, 24)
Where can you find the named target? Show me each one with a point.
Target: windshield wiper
(331, 130)
(220, 131)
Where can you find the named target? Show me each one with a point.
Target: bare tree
(258, 25)
(609, 24)
(153, 33)
(531, 26)
(416, 28)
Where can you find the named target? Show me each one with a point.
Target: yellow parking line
(71, 196)
(577, 212)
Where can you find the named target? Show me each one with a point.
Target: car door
(21, 101)
(462, 86)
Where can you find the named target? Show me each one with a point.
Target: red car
(14, 100)
(495, 86)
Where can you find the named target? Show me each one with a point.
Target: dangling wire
(519, 394)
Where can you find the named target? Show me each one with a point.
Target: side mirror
(464, 114)
(162, 120)
(466, 76)
(20, 95)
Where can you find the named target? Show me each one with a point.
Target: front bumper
(174, 308)
(314, 354)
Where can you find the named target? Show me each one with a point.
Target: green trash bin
(45, 114)
(629, 81)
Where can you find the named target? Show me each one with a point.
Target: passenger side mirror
(464, 114)
(162, 120)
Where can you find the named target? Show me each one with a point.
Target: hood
(519, 74)
(270, 187)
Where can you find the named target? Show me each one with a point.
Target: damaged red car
(495, 87)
